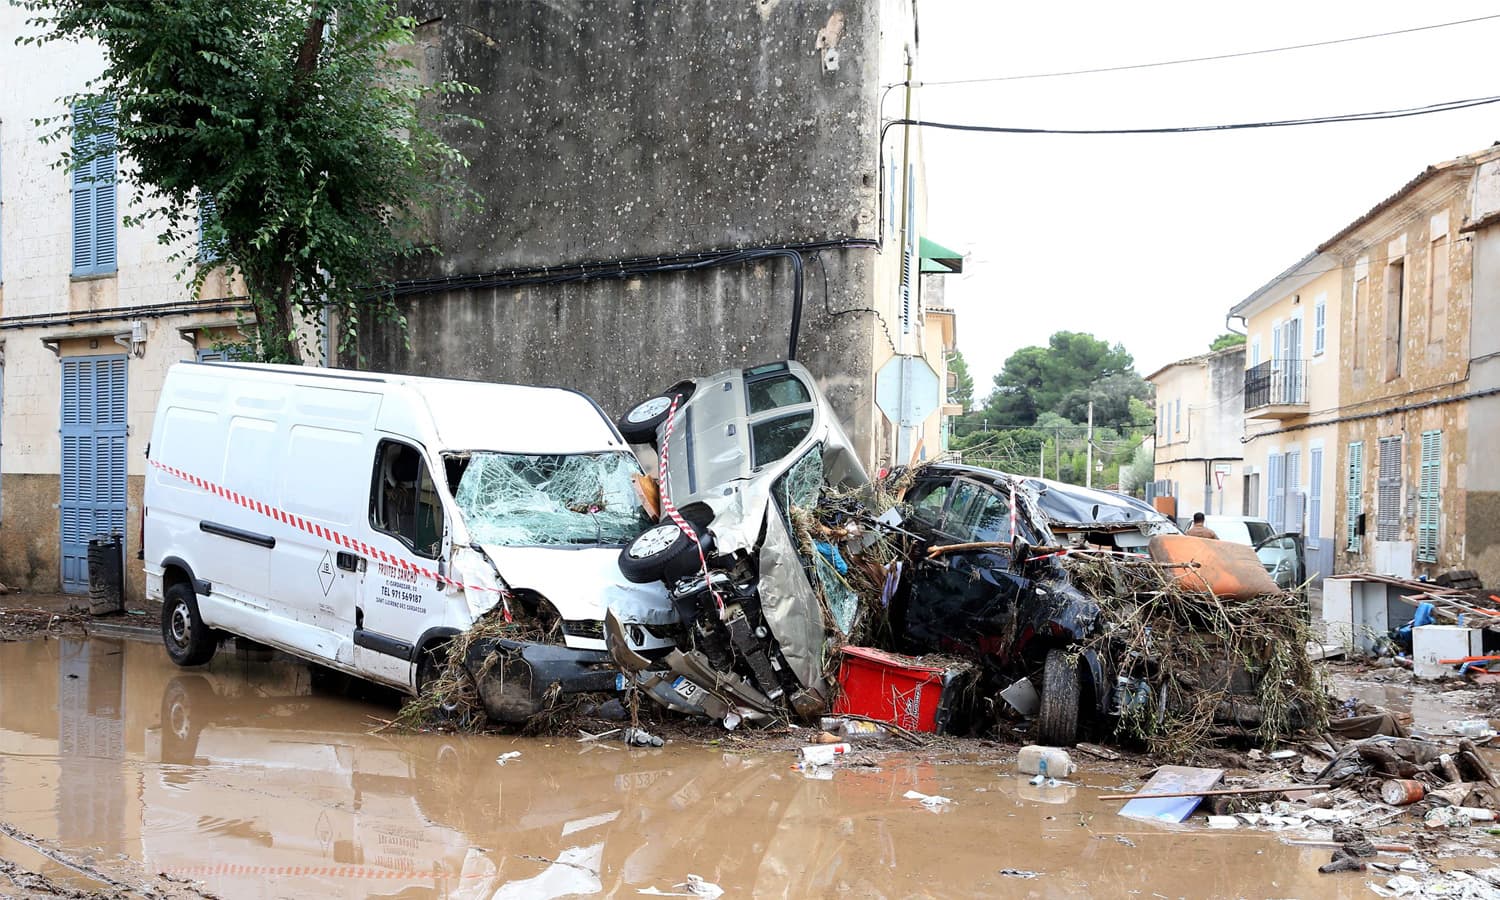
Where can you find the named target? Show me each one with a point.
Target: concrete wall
(1375, 399)
(620, 129)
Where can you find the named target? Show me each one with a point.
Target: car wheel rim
(649, 410)
(182, 624)
(654, 541)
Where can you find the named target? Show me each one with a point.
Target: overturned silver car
(737, 452)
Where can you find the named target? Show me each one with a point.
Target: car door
(965, 600)
(397, 603)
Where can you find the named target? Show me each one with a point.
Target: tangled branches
(1192, 663)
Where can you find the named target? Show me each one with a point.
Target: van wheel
(638, 426)
(1057, 721)
(188, 641)
(657, 553)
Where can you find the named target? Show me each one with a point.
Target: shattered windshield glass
(518, 500)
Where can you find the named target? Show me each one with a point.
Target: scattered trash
(695, 886)
(1022, 697)
(1053, 762)
(822, 754)
(1172, 780)
(1402, 791)
(640, 737)
(1223, 822)
(1472, 728)
(504, 758)
(1283, 754)
(1019, 873)
(1099, 752)
(1400, 886)
(1457, 816)
(844, 728)
(931, 801)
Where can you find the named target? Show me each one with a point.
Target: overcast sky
(1149, 240)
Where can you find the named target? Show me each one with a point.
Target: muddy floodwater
(252, 778)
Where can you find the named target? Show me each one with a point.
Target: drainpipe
(903, 448)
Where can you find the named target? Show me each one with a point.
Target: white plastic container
(823, 754)
(1053, 762)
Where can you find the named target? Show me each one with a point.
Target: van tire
(507, 696)
(659, 552)
(639, 424)
(1057, 720)
(189, 642)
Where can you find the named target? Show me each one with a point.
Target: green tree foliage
(296, 118)
(1226, 340)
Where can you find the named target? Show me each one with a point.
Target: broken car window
(520, 500)
(926, 499)
(775, 438)
(799, 485)
(404, 503)
(774, 393)
(963, 511)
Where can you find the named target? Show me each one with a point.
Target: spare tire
(1062, 689)
(639, 424)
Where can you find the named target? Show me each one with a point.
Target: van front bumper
(515, 677)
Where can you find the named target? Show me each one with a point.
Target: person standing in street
(1198, 529)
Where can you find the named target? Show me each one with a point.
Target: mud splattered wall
(616, 130)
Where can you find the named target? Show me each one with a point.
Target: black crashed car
(1003, 604)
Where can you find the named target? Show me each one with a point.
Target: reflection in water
(254, 778)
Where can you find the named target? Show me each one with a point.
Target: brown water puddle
(246, 776)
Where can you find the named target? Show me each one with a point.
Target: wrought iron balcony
(1277, 389)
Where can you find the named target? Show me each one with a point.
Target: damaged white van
(361, 520)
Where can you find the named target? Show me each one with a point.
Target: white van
(360, 520)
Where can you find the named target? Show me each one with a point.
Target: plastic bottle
(852, 729)
(1049, 762)
(823, 754)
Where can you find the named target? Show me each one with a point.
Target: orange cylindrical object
(1402, 791)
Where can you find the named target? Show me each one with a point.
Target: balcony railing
(1280, 382)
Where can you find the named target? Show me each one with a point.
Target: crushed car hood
(1070, 507)
(581, 584)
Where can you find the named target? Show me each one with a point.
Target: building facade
(1198, 428)
(1290, 389)
(674, 189)
(92, 313)
(1480, 484)
(1404, 430)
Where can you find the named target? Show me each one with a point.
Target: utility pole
(1041, 460)
(1088, 476)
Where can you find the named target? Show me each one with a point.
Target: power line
(1374, 116)
(1200, 59)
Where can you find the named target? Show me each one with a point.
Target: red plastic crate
(890, 688)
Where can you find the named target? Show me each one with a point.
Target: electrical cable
(1373, 116)
(831, 313)
(1200, 59)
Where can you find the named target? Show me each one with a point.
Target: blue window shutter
(106, 217)
(83, 203)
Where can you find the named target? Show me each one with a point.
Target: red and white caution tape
(670, 508)
(325, 533)
(318, 871)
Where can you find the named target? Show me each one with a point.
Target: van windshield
(519, 500)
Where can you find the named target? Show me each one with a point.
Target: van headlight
(481, 586)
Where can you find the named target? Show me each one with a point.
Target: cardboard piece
(1172, 780)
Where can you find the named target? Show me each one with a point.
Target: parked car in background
(744, 447)
(1283, 555)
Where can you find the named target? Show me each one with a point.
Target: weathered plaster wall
(622, 129)
(1482, 490)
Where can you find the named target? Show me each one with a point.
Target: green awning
(939, 260)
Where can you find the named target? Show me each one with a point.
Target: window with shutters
(210, 243)
(1354, 496)
(1388, 486)
(1314, 498)
(1276, 491)
(1292, 514)
(1320, 325)
(1429, 496)
(95, 221)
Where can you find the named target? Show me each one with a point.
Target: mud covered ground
(124, 776)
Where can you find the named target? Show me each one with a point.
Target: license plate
(687, 689)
